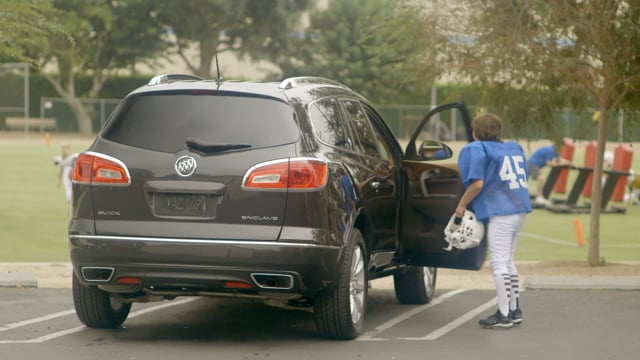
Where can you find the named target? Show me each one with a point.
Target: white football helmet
(467, 235)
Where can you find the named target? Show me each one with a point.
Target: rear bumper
(200, 266)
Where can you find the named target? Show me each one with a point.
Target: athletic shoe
(516, 316)
(496, 321)
(542, 201)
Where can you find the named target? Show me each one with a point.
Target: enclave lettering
(260, 218)
(109, 212)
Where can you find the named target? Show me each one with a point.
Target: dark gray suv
(294, 193)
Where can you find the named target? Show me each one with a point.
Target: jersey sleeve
(471, 163)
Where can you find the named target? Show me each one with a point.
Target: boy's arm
(559, 160)
(470, 193)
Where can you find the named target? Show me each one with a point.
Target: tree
(104, 40)
(586, 50)
(259, 29)
(364, 45)
(23, 26)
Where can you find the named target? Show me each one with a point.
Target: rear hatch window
(163, 121)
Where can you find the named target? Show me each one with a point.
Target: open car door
(434, 190)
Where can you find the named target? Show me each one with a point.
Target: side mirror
(435, 150)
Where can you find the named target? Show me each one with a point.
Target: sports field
(34, 213)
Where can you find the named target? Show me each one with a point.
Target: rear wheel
(415, 284)
(339, 314)
(96, 308)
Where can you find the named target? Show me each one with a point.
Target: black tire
(96, 308)
(415, 284)
(339, 313)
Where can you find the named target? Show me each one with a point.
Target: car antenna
(218, 77)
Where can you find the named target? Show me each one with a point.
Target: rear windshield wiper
(199, 144)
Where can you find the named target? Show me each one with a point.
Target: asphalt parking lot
(586, 324)
(570, 310)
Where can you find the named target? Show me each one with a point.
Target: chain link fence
(56, 108)
(623, 127)
(402, 118)
(15, 82)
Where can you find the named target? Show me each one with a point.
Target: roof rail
(305, 80)
(169, 78)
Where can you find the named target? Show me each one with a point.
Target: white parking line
(461, 320)
(370, 336)
(76, 329)
(35, 320)
(438, 333)
(457, 322)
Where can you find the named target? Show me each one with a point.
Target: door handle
(426, 176)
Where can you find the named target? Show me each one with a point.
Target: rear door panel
(434, 191)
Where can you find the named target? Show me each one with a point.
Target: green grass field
(34, 215)
(34, 211)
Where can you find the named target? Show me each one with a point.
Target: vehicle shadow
(219, 320)
(239, 320)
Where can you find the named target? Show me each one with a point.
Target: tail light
(293, 174)
(99, 169)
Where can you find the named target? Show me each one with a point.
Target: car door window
(362, 127)
(384, 143)
(328, 125)
(459, 119)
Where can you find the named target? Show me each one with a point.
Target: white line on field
(568, 243)
(549, 239)
(619, 246)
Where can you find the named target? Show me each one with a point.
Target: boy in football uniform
(544, 156)
(494, 174)
(65, 161)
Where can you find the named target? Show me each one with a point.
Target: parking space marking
(36, 320)
(458, 322)
(76, 329)
(438, 333)
(370, 336)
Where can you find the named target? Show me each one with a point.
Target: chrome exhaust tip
(97, 274)
(273, 281)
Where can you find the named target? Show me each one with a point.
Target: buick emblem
(186, 166)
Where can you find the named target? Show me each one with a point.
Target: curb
(19, 280)
(582, 283)
(35, 274)
(58, 275)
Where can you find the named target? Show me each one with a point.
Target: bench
(19, 123)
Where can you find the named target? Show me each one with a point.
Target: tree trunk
(207, 51)
(85, 123)
(68, 93)
(596, 190)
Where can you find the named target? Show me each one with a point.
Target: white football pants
(503, 233)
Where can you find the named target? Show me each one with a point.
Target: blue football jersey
(503, 168)
(542, 155)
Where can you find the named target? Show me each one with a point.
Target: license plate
(180, 205)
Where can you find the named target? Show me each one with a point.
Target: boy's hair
(558, 144)
(487, 127)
